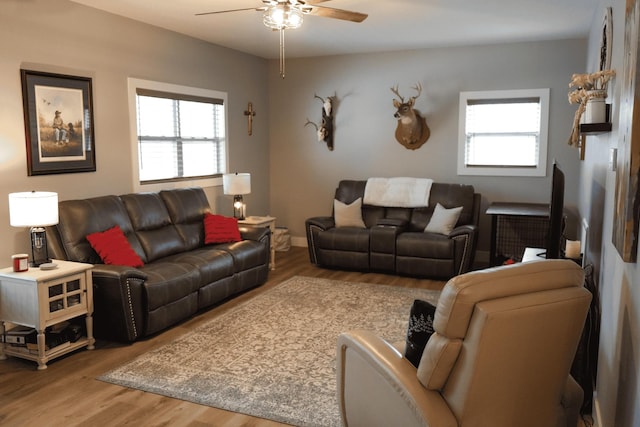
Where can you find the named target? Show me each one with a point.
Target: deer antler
(395, 90)
(418, 88)
(309, 122)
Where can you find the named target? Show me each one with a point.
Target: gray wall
(63, 37)
(304, 173)
(617, 401)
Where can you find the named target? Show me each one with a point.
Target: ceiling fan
(283, 15)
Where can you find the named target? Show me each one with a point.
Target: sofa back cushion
(152, 225)
(187, 207)
(448, 195)
(349, 190)
(79, 218)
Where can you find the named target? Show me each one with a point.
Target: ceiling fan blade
(330, 12)
(231, 10)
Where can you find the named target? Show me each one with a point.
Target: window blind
(502, 132)
(179, 136)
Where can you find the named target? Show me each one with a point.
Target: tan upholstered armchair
(500, 356)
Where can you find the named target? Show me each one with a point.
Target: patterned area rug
(273, 356)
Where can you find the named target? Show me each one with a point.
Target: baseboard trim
(299, 241)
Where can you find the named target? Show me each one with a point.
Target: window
(179, 133)
(503, 132)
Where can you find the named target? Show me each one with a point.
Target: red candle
(20, 262)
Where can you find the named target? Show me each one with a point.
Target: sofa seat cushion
(345, 239)
(168, 282)
(424, 245)
(246, 254)
(213, 264)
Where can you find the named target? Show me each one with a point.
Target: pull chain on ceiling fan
(283, 15)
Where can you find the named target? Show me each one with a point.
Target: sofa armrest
(379, 387)
(393, 222)
(466, 240)
(118, 303)
(462, 230)
(322, 222)
(253, 233)
(313, 226)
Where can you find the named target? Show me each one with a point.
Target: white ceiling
(391, 25)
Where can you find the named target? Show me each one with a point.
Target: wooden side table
(264, 221)
(41, 298)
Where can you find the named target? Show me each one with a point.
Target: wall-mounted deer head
(412, 130)
(325, 130)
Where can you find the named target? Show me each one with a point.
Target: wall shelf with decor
(591, 129)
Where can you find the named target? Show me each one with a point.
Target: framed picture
(606, 40)
(627, 196)
(58, 116)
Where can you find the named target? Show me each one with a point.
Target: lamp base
(238, 207)
(39, 249)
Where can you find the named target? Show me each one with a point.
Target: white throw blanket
(397, 192)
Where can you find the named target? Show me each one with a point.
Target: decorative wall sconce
(325, 130)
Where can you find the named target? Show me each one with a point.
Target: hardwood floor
(68, 394)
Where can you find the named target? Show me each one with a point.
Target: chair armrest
(379, 387)
(117, 301)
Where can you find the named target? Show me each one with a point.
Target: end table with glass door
(40, 299)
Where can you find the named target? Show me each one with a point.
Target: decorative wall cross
(250, 113)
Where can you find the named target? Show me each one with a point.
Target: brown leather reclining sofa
(394, 240)
(181, 275)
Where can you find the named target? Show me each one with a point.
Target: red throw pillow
(220, 229)
(114, 248)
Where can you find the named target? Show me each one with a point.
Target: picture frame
(606, 40)
(626, 218)
(58, 118)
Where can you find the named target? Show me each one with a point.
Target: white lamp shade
(33, 209)
(236, 183)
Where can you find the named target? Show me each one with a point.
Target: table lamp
(35, 209)
(237, 184)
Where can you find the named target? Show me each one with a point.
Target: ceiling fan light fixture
(282, 17)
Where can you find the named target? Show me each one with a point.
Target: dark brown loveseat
(181, 274)
(394, 240)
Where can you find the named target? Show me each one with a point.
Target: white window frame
(138, 186)
(540, 169)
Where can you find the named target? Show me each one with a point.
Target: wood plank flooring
(68, 394)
